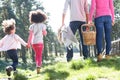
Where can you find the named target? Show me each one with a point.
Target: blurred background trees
(19, 10)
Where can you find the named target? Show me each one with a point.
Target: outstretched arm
(30, 37)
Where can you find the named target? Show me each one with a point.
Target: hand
(113, 23)
(28, 46)
(90, 23)
(60, 28)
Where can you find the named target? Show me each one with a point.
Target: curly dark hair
(37, 16)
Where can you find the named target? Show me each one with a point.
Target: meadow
(77, 69)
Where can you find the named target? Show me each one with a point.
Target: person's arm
(30, 37)
(64, 12)
(92, 10)
(63, 19)
(112, 12)
(44, 32)
(87, 18)
(21, 40)
(1, 42)
(86, 10)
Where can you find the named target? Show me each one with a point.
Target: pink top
(101, 8)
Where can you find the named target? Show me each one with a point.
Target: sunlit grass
(75, 70)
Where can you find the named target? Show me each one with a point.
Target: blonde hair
(8, 25)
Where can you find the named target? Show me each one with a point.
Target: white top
(37, 29)
(78, 9)
(12, 41)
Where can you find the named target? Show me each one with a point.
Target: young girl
(10, 43)
(104, 19)
(36, 31)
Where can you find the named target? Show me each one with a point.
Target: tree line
(19, 10)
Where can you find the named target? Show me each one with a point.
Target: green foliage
(91, 77)
(20, 76)
(76, 65)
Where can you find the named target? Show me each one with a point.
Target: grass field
(77, 69)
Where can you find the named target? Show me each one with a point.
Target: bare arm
(30, 37)
(44, 32)
(63, 18)
(87, 18)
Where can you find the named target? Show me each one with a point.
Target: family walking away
(10, 43)
(103, 11)
(78, 16)
(37, 30)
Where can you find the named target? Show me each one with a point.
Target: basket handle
(88, 25)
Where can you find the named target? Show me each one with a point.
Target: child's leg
(38, 54)
(13, 55)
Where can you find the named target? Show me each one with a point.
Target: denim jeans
(76, 25)
(103, 28)
(13, 55)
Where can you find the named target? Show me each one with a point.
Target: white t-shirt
(78, 9)
(12, 41)
(37, 29)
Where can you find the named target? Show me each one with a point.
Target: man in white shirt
(78, 16)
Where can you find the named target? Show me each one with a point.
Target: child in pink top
(10, 43)
(103, 12)
(36, 32)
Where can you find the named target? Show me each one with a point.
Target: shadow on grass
(51, 74)
(49, 61)
(29, 65)
(32, 65)
(3, 64)
(111, 63)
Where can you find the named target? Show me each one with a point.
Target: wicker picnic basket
(89, 34)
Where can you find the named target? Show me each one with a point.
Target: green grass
(75, 70)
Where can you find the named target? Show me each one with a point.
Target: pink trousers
(38, 48)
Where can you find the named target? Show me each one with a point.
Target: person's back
(103, 7)
(104, 19)
(78, 9)
(78, 16)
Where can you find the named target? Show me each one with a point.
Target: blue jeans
(76, 25)
(13, 55)
(103, 27)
